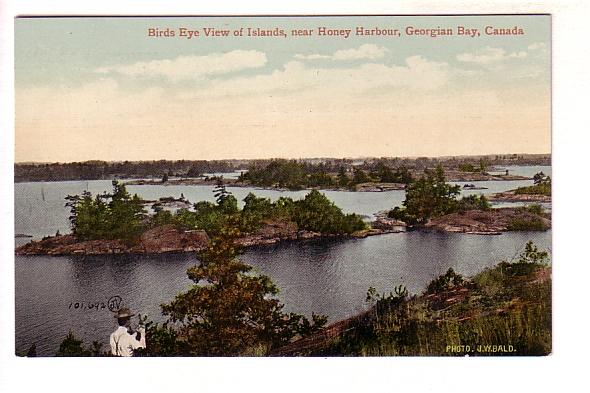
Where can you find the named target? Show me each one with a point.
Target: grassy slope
(507, 306)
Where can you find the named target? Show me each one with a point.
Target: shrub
(535, 208)
(447, 281)
(473, 202)
(530, 260)
(71, 346)
(529, 224)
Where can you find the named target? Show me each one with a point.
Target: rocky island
(170, 239)
(490, 222)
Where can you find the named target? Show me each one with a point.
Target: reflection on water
(327, 277)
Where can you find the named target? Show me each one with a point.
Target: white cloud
(537, 46)
(324, 112)
(191, 67)
(314, 56)
(417, 73)
(365, 51)
(489, 55)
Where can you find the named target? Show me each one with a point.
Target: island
(118, 223)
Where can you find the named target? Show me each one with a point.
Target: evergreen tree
(430, 196)
(229, 310)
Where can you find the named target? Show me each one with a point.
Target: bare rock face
(167, 238)
(162, 239)
(387, 223)
(379, 187)
(511, 196)
(493, 221)
(272, 231)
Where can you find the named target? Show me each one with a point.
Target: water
(326, 277)
(40, 210)
(522, 170)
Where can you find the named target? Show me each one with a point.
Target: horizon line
(284, 158)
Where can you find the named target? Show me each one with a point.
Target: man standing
(124, 340)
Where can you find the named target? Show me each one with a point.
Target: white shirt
(123, 343)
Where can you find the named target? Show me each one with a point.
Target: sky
(103, 88)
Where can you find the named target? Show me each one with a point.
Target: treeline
(313, 167)
(103, 170)
(118, 215)
(297, 175)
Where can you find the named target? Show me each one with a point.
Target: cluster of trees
(470, 167)
(296, 175)
(542, 186)
(117, 215)
(431, 196)
(315, 213)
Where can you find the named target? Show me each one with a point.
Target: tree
(359, 176)
(227, 203)
(383, 172)
(473, 202)
(126, 214)
(229, 310)
(541, 179)
(430, 196)
(107, 216)
(483, 165)
(402, 175)
(254, 211)
(343, 179)
(317, 213)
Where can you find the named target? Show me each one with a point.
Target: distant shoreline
(108, 170)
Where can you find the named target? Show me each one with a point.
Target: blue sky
(101, 88)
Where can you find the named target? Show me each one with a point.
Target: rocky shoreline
(454, 176)
(511, 196)
(487, 222)
(170, 239)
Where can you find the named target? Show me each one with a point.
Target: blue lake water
(326, 277)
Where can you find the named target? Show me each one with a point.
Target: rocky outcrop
(158, 240)
(486, 222)
(511, 196)
(168, 238)
(272, 231)
(383, 222)
(454, 175)
(379, 187)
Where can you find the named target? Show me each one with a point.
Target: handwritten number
(113, 304)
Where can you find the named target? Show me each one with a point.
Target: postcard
(283, 186)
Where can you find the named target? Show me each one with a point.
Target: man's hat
(123, 313)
